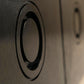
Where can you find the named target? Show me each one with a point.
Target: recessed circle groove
(30, 69)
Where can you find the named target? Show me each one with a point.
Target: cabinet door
(73, 33)
(30, 42)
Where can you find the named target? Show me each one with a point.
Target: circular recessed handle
(29, 18)
(77, 23)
